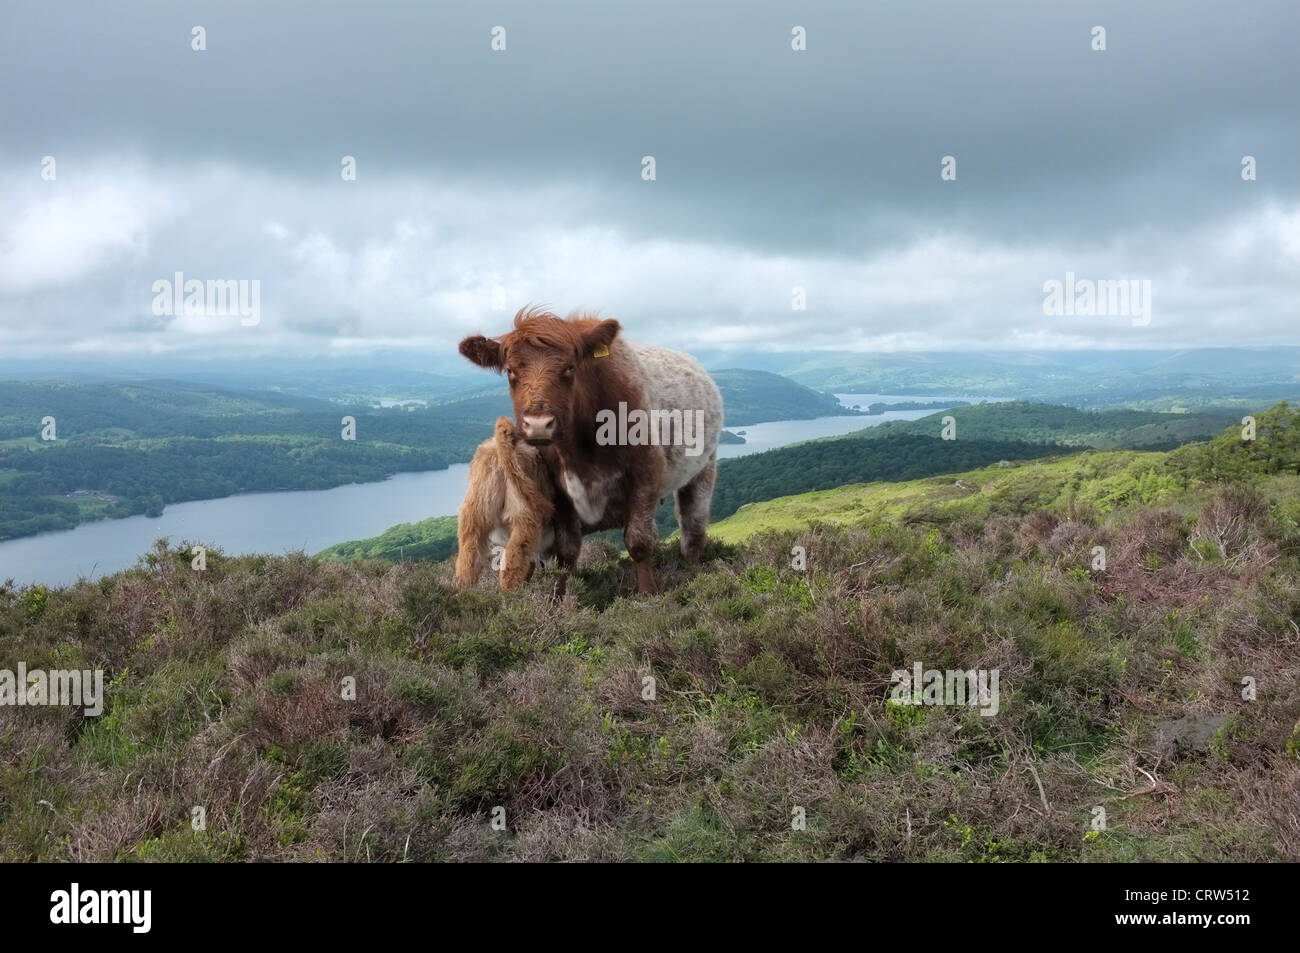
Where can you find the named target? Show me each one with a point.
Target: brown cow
(509, 502)
(621, 426)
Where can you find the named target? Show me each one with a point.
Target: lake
(310, 520)
(779, 433)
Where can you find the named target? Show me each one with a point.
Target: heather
(1121, 689)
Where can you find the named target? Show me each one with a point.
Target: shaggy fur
(509, 502)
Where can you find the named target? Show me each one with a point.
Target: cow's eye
(512, 377)
(568, 371)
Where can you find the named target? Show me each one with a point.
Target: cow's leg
(693, 511)
(567, 545)
(639, 534)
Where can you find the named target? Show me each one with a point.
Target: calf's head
(548, 362)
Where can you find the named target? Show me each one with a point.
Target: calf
(509, 503)
(603, 411)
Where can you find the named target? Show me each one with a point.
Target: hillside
(1088, 478)
(1068, 426)
(1095, 482)
(829, 463)
(1120, 689)
(433, 538)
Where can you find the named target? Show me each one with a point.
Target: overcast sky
(523, 169)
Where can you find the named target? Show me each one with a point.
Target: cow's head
(548, 361)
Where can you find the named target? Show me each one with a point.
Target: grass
(1097, 478)
(371, 711)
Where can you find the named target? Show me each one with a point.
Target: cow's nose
(539, 428)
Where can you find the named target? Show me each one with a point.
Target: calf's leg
(472, 534)
(525, 539)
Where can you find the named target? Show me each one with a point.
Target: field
(770, 733)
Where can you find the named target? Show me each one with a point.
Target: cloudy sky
(522, 170)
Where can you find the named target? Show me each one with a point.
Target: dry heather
(1120, 689)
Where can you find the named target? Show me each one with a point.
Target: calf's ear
(484, 352)
(596, 342)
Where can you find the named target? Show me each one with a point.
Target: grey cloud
(777, 166)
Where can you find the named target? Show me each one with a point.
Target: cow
(603, 409)
(510, 503)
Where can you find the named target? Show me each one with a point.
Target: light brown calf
(509, 503)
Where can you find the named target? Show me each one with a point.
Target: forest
(134, 448)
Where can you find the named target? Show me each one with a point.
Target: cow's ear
(596, 342)
(484, 352)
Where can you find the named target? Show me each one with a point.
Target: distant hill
(749, 397)
(1067, 426)
(1162, 379)
(752, 397)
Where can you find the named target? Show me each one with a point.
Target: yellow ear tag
(601, 351)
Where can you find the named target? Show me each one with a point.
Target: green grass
(1088, 477)
(433, 538)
